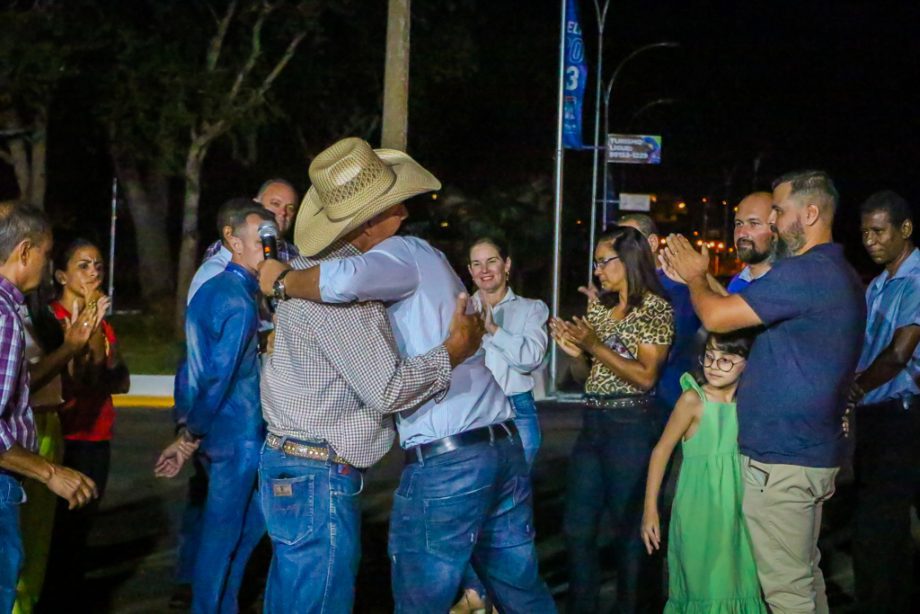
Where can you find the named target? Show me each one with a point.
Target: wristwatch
(278, 290)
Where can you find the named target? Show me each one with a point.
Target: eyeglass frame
(716, 361)
(599, 264)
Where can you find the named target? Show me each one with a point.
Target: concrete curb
(154, 391)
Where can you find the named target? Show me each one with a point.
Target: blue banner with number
(576, 78)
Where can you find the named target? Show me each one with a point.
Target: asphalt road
(133, 545)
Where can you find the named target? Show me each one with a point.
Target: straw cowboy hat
(351, 184)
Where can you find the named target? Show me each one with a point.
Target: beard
(749, 254)
(791, 241)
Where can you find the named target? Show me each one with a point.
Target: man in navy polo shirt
(793, 393)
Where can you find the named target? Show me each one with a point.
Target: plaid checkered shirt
(335, 374)
(17, 424)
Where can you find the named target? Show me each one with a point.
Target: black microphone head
(268, 229)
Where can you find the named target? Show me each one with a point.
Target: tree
(172, 93)
(35, 50)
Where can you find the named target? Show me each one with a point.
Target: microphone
(268, 233)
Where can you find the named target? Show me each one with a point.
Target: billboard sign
(634, 148)
(635, 202)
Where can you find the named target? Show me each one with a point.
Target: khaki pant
(782, 507)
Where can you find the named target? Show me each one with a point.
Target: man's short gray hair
(812, 183)
(270, 182)
(646, 224)
(19, 222)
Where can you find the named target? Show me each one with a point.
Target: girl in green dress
(710, 562)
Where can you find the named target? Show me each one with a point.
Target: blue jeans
(232, 525)
(528, 425)
(313, 514)
(607, 470)
(192, 521)
(469, 505)
(11, 497)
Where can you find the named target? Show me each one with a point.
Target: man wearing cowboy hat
(329, 390)
(465, 493)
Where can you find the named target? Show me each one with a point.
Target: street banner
(635, 202)
(576, 78)
(634, 148)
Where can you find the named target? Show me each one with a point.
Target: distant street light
(608, 90)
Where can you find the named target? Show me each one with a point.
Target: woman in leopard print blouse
(618, 349)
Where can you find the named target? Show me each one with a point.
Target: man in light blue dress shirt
(465, 493)
(887, 460)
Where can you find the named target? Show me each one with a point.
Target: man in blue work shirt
(223, 414)
(465, 491)
(887, 390)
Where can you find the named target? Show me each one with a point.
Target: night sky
(798, 84)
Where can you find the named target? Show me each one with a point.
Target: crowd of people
(60, 367)
(302, 368)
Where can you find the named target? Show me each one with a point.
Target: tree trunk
(18, 152)
(38, 174)
(147, 196)
(188, 248)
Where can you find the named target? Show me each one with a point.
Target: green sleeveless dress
(710, 563)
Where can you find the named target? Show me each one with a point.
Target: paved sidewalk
(133, 546)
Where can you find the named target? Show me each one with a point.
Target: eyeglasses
(599, 264)
(722, 364)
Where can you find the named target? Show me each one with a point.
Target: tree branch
(282, 62)
(217, 41)
(255, 50)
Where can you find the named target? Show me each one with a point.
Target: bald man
(754, 240)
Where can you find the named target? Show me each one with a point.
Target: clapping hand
(488, 318)
(669, 270)
(683, 260)
(562, 339)
(579, 333)
(79, 327)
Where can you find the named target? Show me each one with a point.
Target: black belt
(484, 434)
(637, 401)
(911, 403)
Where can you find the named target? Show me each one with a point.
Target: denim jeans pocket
(288, 505)
(452, 523)
(11, 491)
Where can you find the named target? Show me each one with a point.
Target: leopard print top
(651, 323)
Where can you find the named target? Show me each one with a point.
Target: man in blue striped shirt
(887, 460)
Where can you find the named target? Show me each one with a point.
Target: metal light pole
(607, 91)
(557, 197)
(112, 228)
(601, 14)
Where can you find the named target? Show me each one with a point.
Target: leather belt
(302, 449)
(643, 401)
(493, 432)
(911, 403)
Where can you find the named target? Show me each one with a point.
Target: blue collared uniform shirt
(221, 329)
(893, 302)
